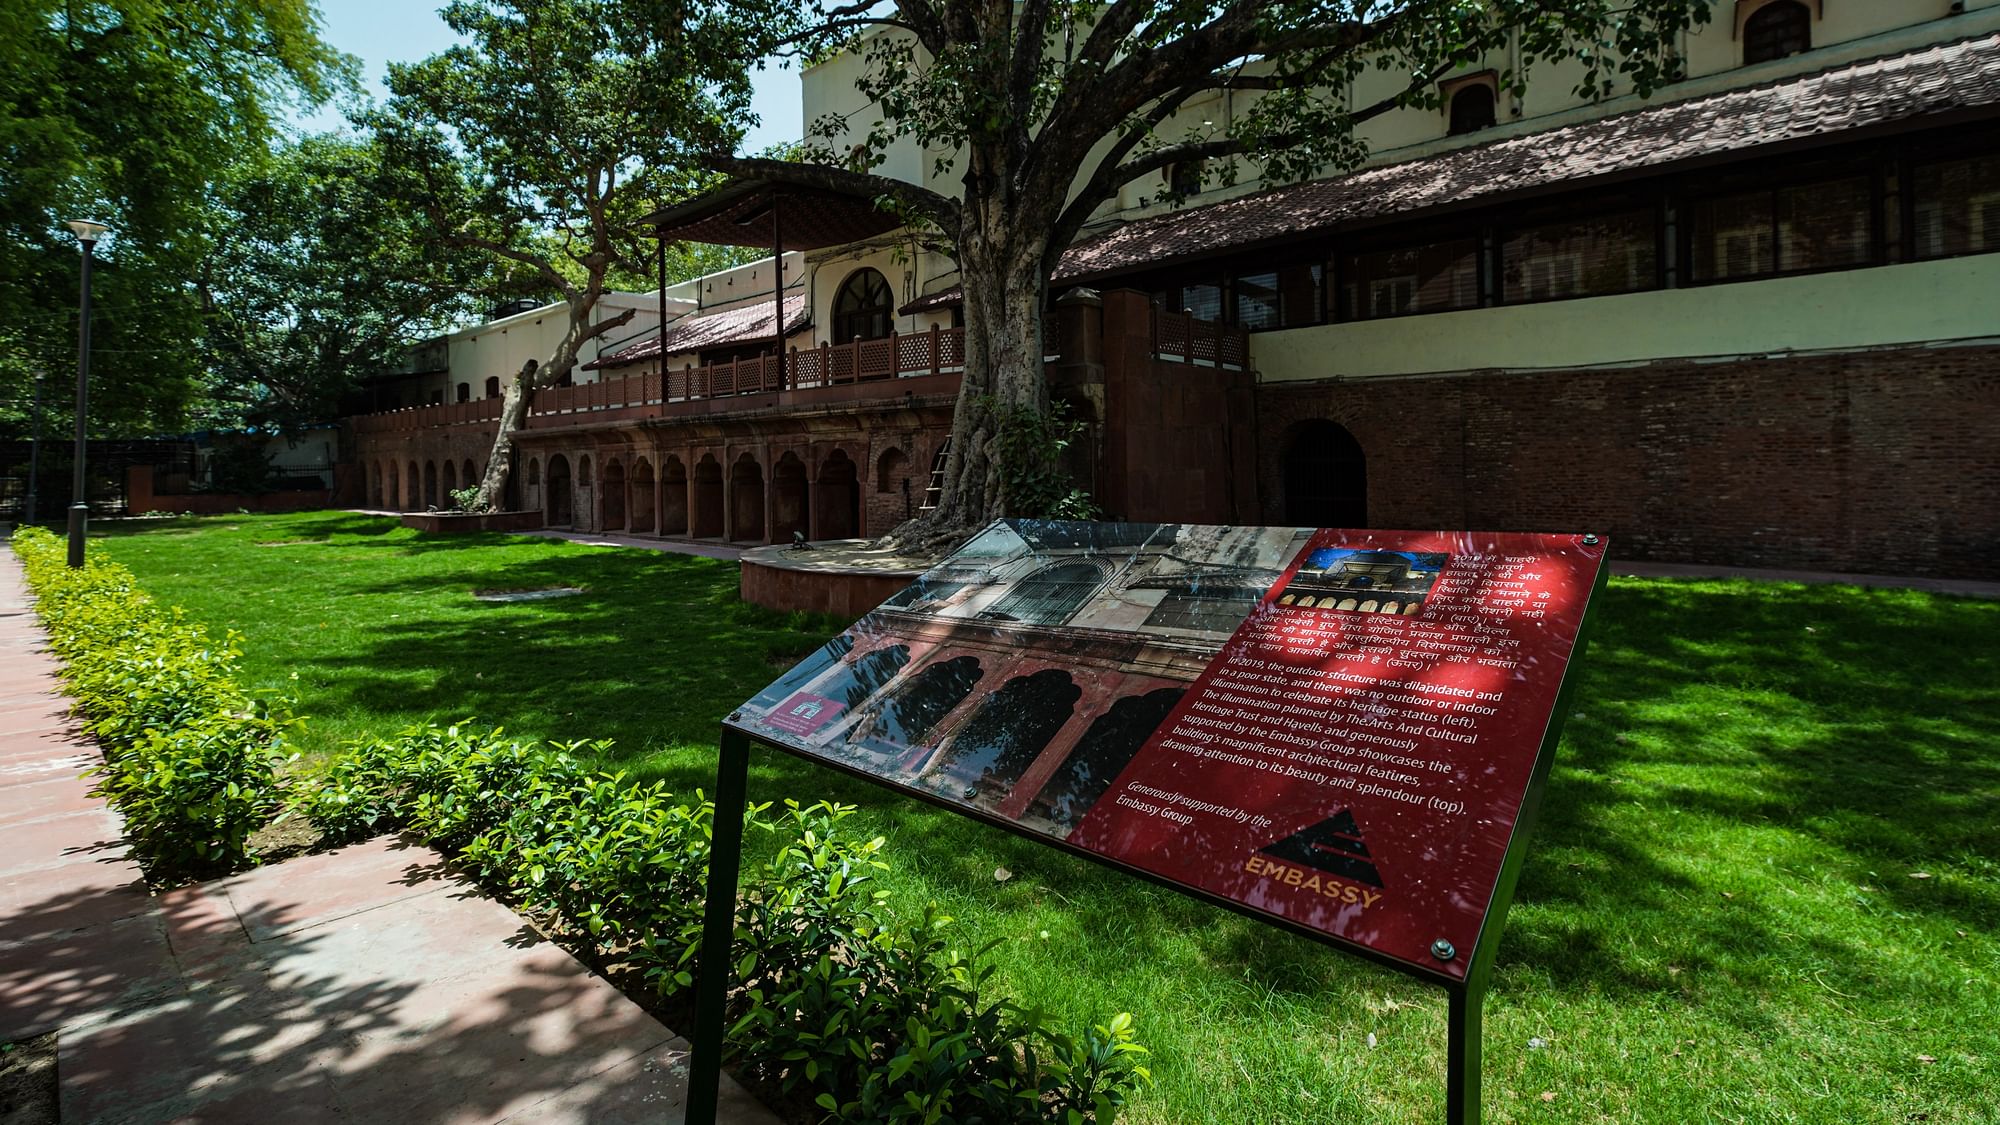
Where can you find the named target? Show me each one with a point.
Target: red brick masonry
(1883, 462)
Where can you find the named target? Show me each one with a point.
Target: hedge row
(872, 1022)
(868, 1020)
(190, 758)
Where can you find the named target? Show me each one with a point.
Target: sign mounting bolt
(1590, 540)
(1443, 950)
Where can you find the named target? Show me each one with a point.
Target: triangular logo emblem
(1333, 845)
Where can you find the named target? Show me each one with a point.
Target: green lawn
(1766, 887)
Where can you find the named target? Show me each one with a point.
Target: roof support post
(778, 285)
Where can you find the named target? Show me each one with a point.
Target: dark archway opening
(559, 498)
(430, 484)
(1325, 477)
(1473, 108)
(643, 496)
(907, 718)
(1003, 738)
(746, 500)
(413, 487)
(450, 484)
(837, 498)
(1100, 756)
(788, 498)
(613, 494)
(673, 497)
(707, 498)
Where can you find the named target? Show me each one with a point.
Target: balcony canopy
(754, 212)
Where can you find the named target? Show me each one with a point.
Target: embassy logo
(1333, 845)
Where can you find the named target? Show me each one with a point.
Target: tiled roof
(710, 330)
(1934, 80)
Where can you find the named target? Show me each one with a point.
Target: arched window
(863, 307)
(493, 386)
(465, 392)
(1472, 109)
(1777, 31)
(1048, 596)
(534, 470)
(1325, 477)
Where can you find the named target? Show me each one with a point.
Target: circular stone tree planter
(445, 523)
(840, 576)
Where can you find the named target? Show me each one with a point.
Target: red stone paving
(361, 984)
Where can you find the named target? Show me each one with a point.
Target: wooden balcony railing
(1181, 337)
(936, 352)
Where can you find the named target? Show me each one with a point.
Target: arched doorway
(864, 307)
(1002, 739)
(707, 498)
(430, 484)
(375, 484)
(1325, 477)
(641, 491)
(788, 498)
(613, 494)
(413, 488)
(470, 476)
(558, 505)
(746, 500)
(673, 497)
(837, 498)
(450, 485)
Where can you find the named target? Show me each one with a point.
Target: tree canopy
(126, 111)
(1042, 110)
(549, 134)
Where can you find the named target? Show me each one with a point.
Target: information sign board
(1334, 729)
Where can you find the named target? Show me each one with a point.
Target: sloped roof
(711, 330)
(1946, 78)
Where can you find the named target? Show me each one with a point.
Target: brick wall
(1869, 462)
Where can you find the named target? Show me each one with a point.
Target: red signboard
(1353, 764)
(1336, 729)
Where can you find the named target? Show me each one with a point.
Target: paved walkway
(704, 548)
(360, 985)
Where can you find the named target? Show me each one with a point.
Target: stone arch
(1012, 726)
(560, 506)
(643, 497)
(430, 484)
(746, 499)
(534, 471)
(906, 718)
(1325, 474)
(673, 496)
(450, 484)
(837, 497)
(413, 488)
(789, 496)
(708, 498)
(612, 496)
(1100, 755)
(892, 466)
(470, 476)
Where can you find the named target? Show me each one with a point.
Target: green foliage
(190, 759)
(875, 1024)
(128, 111)
(467, 500)
(1029, 446)
(319, 277)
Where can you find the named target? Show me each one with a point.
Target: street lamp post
(87, 234)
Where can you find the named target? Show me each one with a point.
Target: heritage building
(1754, 319)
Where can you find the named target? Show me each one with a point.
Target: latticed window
(1472, 109)
(1957, 208)
(1792, 229)
(1435, 277)
(863, 308)
(1581, 258)
(1049, 596)
(1777, 31)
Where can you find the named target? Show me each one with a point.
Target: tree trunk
(533, 377)
(1004, 277)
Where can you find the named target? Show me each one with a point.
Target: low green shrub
(190, 758)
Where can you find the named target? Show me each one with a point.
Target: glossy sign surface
(1335, 728)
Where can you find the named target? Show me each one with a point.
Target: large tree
(127, 111)
(1045, 109)
(317, 275)
(550, 133)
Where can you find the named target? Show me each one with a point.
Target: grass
(1766, 885)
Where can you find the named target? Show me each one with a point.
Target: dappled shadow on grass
(1753, 776)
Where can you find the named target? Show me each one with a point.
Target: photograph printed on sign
(1021, 674)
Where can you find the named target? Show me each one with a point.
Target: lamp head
(88, 231)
